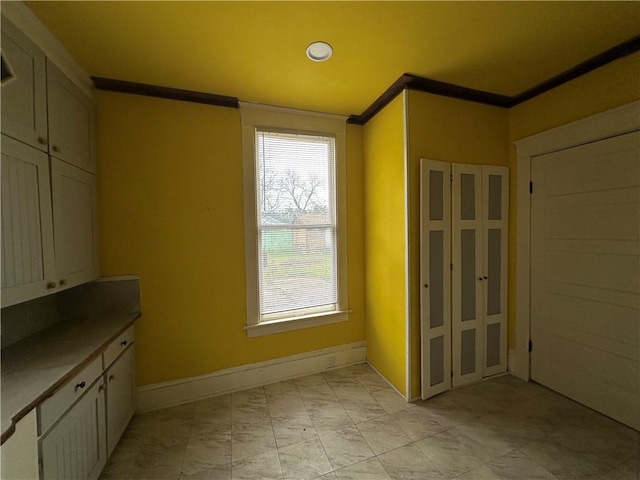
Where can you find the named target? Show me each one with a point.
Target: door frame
(617, 121)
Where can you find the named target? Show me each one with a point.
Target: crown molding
(409, 81)
(406, 81)
(157, 91)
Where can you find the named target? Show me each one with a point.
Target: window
(294, 219)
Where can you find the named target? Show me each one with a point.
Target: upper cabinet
(71, 121)
(24, 88)
(28, 269)
(74, 217)
(49, 237)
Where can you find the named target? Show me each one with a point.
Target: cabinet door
(27, 232)
(74, 217)
(19, 453)
(24, 88)
(435, 276)
(121, 387)
(495, 226)
(467, 276)
(71, 121)
(75, 448)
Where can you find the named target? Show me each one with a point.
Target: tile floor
(349, 424)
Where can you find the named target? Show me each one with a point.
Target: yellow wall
(448, 130)
(610, 86)
(384, 208)
(170, 206)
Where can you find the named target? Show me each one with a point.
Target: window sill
(296, 323)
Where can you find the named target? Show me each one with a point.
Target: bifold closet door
(467, 277)
(495, 215)
(435, 271)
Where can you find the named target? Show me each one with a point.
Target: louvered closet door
(495, 214)
(435, 272)
(467, 275)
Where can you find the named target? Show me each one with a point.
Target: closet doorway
(463, 271)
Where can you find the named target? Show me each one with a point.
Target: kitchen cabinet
(75, 447)
(80, 425)
(28, 264)
(19, 453)
(49, 226)
(74, 217)
(120, 381)
(71, 121)
(24, 88)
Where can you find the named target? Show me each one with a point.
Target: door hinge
(530, 187)
(451, 373)
(40, 467)
(451, 177)
(530, 346)
(452, 267)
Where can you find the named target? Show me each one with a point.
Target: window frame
(256, 116)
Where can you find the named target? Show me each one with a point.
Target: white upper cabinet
(71, 121)
(74, 217)
(24, 88)
(28, 269)
(49, 237)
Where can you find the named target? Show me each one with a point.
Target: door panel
(467, 291)
(495, 226)
(585, 275)
(435, 272)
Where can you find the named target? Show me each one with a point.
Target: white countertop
(34, 368)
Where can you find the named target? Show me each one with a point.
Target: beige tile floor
(349, 424)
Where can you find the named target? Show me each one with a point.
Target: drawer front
(53, 408)
(118, 346)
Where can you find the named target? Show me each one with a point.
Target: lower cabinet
(75, 447)
(120, 380)
(80, 425)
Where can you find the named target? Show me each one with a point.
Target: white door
(585, 275)
(495, 230)
(435, 271)
(467, 280)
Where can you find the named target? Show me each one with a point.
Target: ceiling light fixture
(319, 51)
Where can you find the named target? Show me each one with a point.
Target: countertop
(34, 368)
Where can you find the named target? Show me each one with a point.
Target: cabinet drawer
(118, 346)
(53, 408)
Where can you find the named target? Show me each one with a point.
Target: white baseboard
(176, 392)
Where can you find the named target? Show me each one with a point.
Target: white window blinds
(296, 205)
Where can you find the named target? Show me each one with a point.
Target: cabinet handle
(484, 278)
(426, 285)
(480, 278)
(123, 343)
(101, 388)
(56, 148)
(63, 282)
(81, 385)
(112, 377)
(51, 285)
(42, 140)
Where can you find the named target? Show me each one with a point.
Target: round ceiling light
(319, 51)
